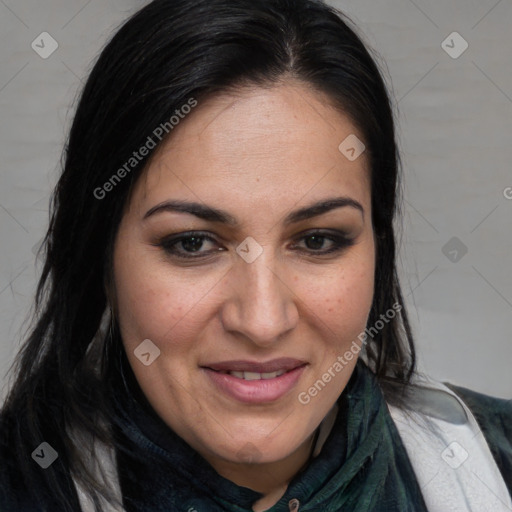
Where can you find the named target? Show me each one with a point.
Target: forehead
(256, 140)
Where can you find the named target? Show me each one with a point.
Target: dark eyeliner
(339, 242)
(168, 244)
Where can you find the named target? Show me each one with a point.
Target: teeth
(256, 375)
(252, 376)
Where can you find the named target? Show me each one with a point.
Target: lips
(283, 364)
(255, 382)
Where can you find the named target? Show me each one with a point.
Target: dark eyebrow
(322, 207)
(211, 214)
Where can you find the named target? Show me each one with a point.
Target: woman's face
(254, 289)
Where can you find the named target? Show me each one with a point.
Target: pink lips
(255, 391)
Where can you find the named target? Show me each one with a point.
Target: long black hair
(168, 54)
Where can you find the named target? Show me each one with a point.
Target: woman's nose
(260, 304)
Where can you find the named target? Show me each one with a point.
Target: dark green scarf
(362, 467)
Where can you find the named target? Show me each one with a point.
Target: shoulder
(494, 416)
(494, 412)
(451, 412)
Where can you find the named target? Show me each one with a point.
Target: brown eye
(316, 241)
(187, 245)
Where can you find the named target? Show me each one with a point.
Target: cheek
(146, 306)
(356, 292)
(342, 299)
(158, 302)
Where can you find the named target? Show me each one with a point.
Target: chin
(259, 450)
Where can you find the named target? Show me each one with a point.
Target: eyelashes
(187, 246)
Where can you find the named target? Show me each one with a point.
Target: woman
(220, 323)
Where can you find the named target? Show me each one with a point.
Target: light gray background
(455, 135)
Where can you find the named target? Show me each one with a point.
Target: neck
(271, 479)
